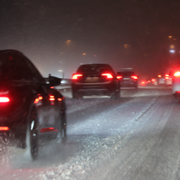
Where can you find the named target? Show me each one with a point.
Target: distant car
(128, 79)
(175, 74)
(164, 79)
(95, 79)
(29, 108)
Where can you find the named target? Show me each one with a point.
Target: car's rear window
(8, 67)
(95, 68)
(126, 73)
(13, 68)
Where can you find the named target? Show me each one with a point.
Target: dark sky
(40, 29)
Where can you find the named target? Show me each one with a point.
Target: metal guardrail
(65, 84)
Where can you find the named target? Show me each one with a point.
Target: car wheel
(76, 95)
(177, 97)
(62, 130)
(115, 95)
(32, 134)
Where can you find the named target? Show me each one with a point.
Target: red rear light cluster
(177, 74)
(38, 99)
(167, 76)
(143, 82)
(50, 129)
(76, 76)
(107, 75)
(118, 77)
(4, 99)
(51, 98)
(134, 77)
(60, 99)
(4, 128)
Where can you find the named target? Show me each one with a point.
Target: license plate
(92, 79)
(126, 78)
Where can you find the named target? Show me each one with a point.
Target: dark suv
(29, 107)
(95, 79)
(128, 79)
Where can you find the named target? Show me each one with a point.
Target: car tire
(62, 130)
(32, 135)
(75, 95)
(115, 95)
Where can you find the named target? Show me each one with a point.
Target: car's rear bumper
(95, 88)
(128, 83)
(15, 128)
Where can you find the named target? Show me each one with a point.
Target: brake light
(177, 74)
(134, 77)
(38, 99)
(143, 82)
(50, 129)
(76, 76)
(4, 99)
(166, 76)
(51, 98)
(107, 75)
(119, 77)
(4, 128)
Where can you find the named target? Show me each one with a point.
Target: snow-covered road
(134, 138)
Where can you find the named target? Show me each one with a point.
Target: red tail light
(118, 77)
(50, 129)
(4, 99)
(76, 76)
(107, 75)
(166, 76)
(51, 98)
(134, 77)
(38, 99)
(4, 128)
(143, 83)
(177, 74)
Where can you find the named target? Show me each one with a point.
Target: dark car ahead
(128, 79)
(29, 108)
(95, 79)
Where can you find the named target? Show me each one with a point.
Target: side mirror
(53, 81)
